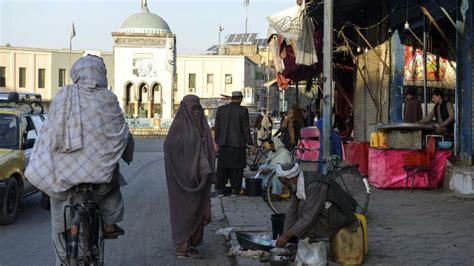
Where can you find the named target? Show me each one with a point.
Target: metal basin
(248, 241)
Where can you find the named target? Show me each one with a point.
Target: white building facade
(42, 71)
(145, 65)
(212, 76)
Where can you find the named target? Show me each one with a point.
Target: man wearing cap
(232, 136)
(319, 207)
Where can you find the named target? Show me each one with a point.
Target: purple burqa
(189, 165)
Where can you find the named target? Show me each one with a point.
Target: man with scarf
(278, 155)
(189, 186)
(318, 206)
(232, 135)
(81, 142)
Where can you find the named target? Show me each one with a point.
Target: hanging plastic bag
(305, 49)
(289, 22)
(311, 254)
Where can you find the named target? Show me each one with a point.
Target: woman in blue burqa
(190, 170)
(336, 144)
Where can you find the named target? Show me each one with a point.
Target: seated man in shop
(318, 207)
(278, 155)
(443, 112)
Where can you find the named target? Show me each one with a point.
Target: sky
(47, 24)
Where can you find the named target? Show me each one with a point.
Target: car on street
(21, 118)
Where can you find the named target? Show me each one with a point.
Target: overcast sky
(47, 24)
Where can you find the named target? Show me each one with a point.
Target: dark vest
(444, 115)
(341, 212)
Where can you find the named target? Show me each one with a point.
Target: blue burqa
(336, 146)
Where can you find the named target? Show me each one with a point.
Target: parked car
(20, 122)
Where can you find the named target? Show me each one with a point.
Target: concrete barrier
(149, 133)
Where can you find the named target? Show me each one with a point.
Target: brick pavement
(405, 228)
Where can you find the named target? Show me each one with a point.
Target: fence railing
(148, 127)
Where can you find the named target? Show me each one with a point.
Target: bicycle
(347, 176)
(85, 244)
(254, 160)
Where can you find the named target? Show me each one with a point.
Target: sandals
(114, 234)
(191, 254)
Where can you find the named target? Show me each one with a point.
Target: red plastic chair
(420, 161)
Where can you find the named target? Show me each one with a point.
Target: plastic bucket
(278, 223)
(253, 187)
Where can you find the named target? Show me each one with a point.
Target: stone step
(462, 181)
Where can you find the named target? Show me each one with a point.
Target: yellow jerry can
(349, 248)
(383, 140)
(374, 139)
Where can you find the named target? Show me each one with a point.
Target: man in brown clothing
(318, 207)
(412, 110)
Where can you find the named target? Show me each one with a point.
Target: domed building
(145, 65)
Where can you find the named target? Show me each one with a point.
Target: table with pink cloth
(386, 169)
(357, 153)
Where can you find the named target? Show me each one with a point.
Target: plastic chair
(420, 161)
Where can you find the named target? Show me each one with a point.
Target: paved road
(147, 240)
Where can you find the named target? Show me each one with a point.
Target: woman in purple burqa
(189, 164)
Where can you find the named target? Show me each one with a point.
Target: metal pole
(328, 72)
(425, 70)
(297, 93)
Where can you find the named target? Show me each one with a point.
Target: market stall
(402, 148)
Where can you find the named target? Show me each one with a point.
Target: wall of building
(32, 59)
(238, 66)
(377, 76)
(12, 58)
(126, 72)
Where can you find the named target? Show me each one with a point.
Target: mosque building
(143, 70)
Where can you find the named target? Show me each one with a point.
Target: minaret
(144, 5)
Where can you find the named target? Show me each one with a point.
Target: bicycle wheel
(97, 239)
(278, 203)
(352, 182)
(85, 244)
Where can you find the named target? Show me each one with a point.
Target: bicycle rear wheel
(85, 246)
(97, 240)
(278, 203)
(351, 181)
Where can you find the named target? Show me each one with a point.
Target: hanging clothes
(275, 53)
(296, 72)
(305, 48)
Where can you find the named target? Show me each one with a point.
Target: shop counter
(386, 169)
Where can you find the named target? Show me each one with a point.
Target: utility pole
(328, 72)
(425, 70)
(219, 47)
(220, 30)
(246, 5)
